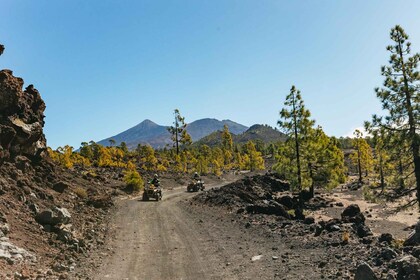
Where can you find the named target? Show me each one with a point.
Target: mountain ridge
(149, 132)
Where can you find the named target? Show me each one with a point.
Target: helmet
(156, 176)
(195, 173)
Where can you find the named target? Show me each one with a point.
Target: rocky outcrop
(21, 119)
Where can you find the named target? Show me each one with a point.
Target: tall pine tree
(179, 132)
(400, 97)
(296, 123)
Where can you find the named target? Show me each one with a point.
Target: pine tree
(180, 136)
(324, 160)
(227, 144)
(296, 122)
(400, 97)
(362, 156)
(252, 159)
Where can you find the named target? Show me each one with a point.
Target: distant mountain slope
(264, 133)
(200, 128)
(148, 132)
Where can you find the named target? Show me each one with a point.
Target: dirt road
(157, 240)
(178, 238)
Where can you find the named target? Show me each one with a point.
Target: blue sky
(104, 66)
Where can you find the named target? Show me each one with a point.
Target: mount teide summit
(148, 132)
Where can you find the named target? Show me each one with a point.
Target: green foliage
(362, 156)
(81, 192)
(133, 180)
(295, 121)
(179, 133)
(252, 159)
(308, 158)
(400, 98)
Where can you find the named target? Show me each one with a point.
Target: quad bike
(196, 186)
(152, 191)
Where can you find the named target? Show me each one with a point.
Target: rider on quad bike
(196, 177)
(196, 185)
(153, 190)
(155, 181)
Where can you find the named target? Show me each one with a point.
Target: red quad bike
(196, 186)
(152, 191)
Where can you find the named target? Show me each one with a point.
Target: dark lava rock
(363, 230)
(416, 252)
(269, 208)
(287, 201)
(53, 217)
(386, 237)
(299, 214)
(21, 119)
(309, 220)
(364, 272)
(61, 187)
(333, 225)
(351, 211)
(352, 214)
(408, 267)
(388, 254)
(414, 237)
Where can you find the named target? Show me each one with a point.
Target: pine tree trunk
(381, 173)
(417, 170)
(412, 125)
(311, 175)
(359, 164)
(297, 146)
(401, 174)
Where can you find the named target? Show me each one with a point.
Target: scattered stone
(416, 252)
(275, 257)
(364, 272)
(363, 230)
(414, 237)
(309, 220)
(408, 268)
(61, 187)
(386, 237)
(388, 254)
(53, 217)
(351, 211)
(256, 258)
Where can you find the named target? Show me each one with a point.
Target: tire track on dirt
(155, 240)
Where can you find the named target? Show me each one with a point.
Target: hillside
(257, 132)
(148, 132)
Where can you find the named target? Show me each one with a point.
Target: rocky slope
(50, 218)
(343, 247)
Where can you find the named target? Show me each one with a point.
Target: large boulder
(21, 119)
(53, 216)
(352, 214)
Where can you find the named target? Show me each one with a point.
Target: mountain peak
(148, 132)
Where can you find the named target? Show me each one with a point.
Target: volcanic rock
(21, 119)
(364, 272)
(414, 237)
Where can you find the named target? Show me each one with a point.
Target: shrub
(81, 192)
(133, 180)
